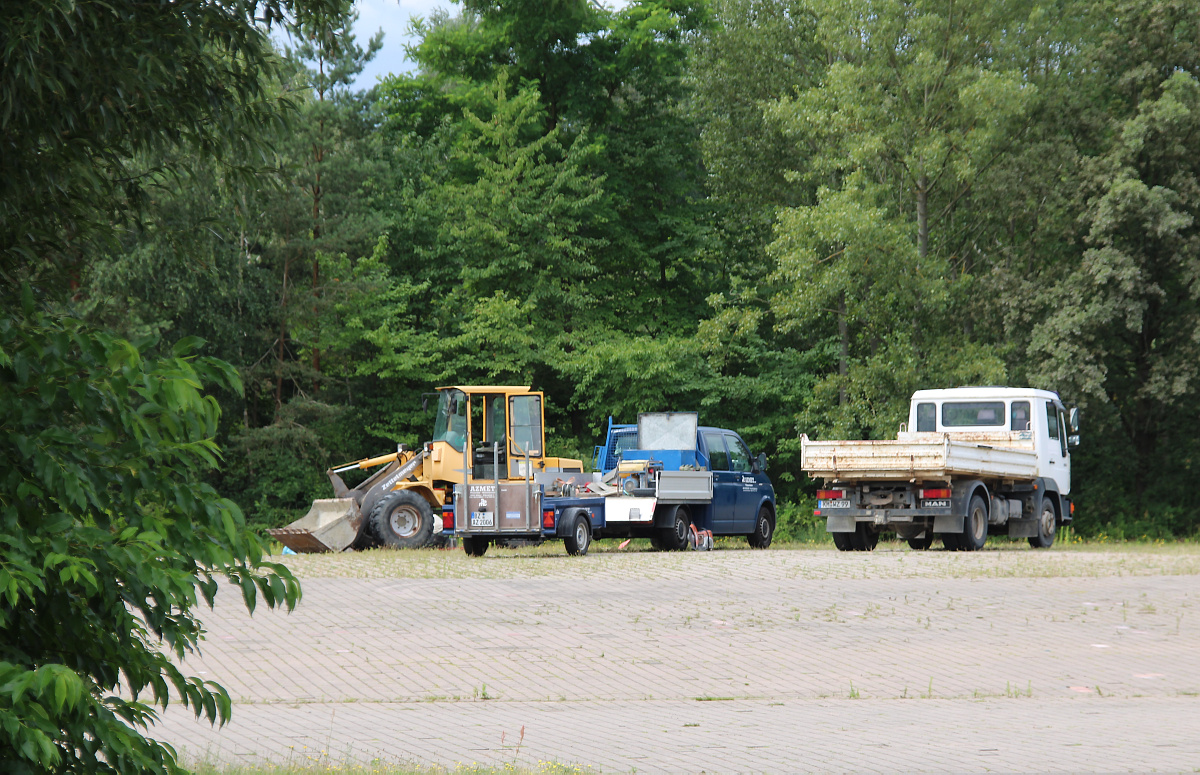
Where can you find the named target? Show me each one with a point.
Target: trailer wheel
(1047, 526)
(402, 520)
(580, 539)
(674, 538)
(764, 529)
(975, 527)
(474, 546)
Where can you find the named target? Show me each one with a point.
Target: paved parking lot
(1009, 660)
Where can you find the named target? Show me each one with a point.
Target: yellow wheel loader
(408, 502)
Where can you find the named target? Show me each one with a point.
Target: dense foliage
(111, 533)
(785, 214)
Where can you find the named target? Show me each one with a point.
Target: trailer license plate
(936, 504)
(482, 519)
(844, 504)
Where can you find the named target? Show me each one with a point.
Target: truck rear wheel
(764, 529)
(402, 520)
(1047, 526)
(865, 538)
(922, 543)
(580, 539)
(975, 527)
(474, 547)
(845, 542)
(674, 537)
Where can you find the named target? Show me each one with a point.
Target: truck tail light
(831, 495)
(447, 520)
(941, 493)
(548, 518)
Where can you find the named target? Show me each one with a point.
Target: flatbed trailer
(682, 480)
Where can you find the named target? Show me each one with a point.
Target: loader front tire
(402, 520)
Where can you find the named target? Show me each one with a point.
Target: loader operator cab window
(525, 421)
(1020, 416)
(450, 425)
(495, 419)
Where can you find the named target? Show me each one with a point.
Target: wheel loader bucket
(331, 525)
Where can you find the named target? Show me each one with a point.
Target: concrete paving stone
(1009, 660)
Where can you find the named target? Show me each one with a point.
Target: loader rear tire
(474, 547)
(402, 520)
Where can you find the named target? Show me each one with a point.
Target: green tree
(111, 537)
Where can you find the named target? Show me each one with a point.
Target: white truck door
(1052, 447)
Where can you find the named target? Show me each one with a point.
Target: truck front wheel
(1047, 526)
(975, 527)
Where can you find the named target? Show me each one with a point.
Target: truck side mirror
(760, 463)
(1073, 427)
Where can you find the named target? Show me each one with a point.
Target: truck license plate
(936, 504)
(844, 504)
(482, 519)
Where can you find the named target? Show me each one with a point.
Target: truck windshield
(450, 425)
(957, 414)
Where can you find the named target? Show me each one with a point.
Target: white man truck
(970, 461)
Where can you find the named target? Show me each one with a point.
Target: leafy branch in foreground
(110, 541)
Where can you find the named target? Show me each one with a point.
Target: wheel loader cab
(493, 426)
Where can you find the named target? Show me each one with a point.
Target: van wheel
(580, 539)
(845, 542)
(975, 526)
(402, 520)
(474, 547)
(674, 537)
(764, 529)
(1047, 527)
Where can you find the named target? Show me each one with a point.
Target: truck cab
(1002, 416)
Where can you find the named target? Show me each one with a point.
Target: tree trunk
(923, 216)
(844, 352)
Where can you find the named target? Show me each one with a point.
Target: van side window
(739, 456)
(718, 458)
(1052, 420)
(926, 418)
(1020, 416)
